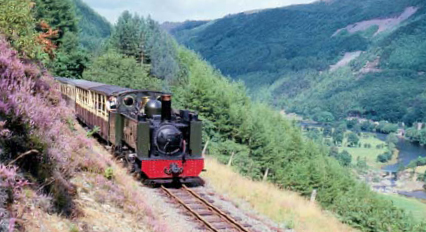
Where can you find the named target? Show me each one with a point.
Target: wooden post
(313, 195)
(419, 126)
(265, 176)
(230, 159)
(205, 148)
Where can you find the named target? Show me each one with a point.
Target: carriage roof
(103, 88)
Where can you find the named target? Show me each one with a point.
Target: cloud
(181, 10)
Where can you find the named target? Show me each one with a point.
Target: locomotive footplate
(162, 169)
(190, 181)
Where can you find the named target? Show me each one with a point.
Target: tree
(351, 123)
(391, 140)
(357, 129)
(344, 158)
(324, 117)
(385, 157)
(386, 127)
(126, 36)
(69, 60)
(327, 131)
(424, 179)
(17, 24)
(367, 126)
(144, 40)
(113, 68)
(353, 139)
(413, 134)
(338, 137)
(314, 134)
(94, 30)
(59, 14)
(361, 164)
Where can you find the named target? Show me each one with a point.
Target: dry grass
(421, 169)
(279, 205)
(104, 205)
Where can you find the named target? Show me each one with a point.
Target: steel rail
(226, 219)
(218, 211)
(199, 217)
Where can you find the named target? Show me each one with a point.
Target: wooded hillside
(141, 55)
(284, 56)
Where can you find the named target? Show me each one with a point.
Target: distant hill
(173, 27)
(94, 28)
(365, 57)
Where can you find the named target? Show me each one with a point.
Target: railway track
(210, 216)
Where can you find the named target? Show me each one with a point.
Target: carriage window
(129, 100)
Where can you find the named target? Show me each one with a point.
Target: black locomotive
(159, 143)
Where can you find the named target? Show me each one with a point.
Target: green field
(370, 154)
(411, 205)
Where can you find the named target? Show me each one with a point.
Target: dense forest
(284, 57)
(139, 54)
(94, 30)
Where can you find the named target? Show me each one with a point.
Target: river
(408, 151)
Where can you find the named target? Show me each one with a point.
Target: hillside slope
(33, 117)
(94, 29)
(284, 55)
(264, 144)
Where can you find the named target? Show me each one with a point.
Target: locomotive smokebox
(166, 107)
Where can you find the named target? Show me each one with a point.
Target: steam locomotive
(158, 143)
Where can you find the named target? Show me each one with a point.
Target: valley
(395, 179)
(366, 64)
(284, 56)
(353, 71)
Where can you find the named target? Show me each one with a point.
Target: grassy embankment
(421, 169)
(370, 154)
(116, 203)
(280, 205)
(411, 205)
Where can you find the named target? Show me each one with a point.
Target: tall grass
(280, 205)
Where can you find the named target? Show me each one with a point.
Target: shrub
(17, 25)
(385, 157)
(10, 190)
(93, 131)
(353, 139)
(344, 158)
(109, 173)
(36, 119)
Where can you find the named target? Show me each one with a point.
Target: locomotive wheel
(142, 177)
(130, 167)
(137, 175)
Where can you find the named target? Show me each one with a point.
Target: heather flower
(31, 97)
(10, 189)
(4, 133)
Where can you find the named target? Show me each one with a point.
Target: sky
(181, 10)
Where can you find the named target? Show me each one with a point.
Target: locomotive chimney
(166, 107)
